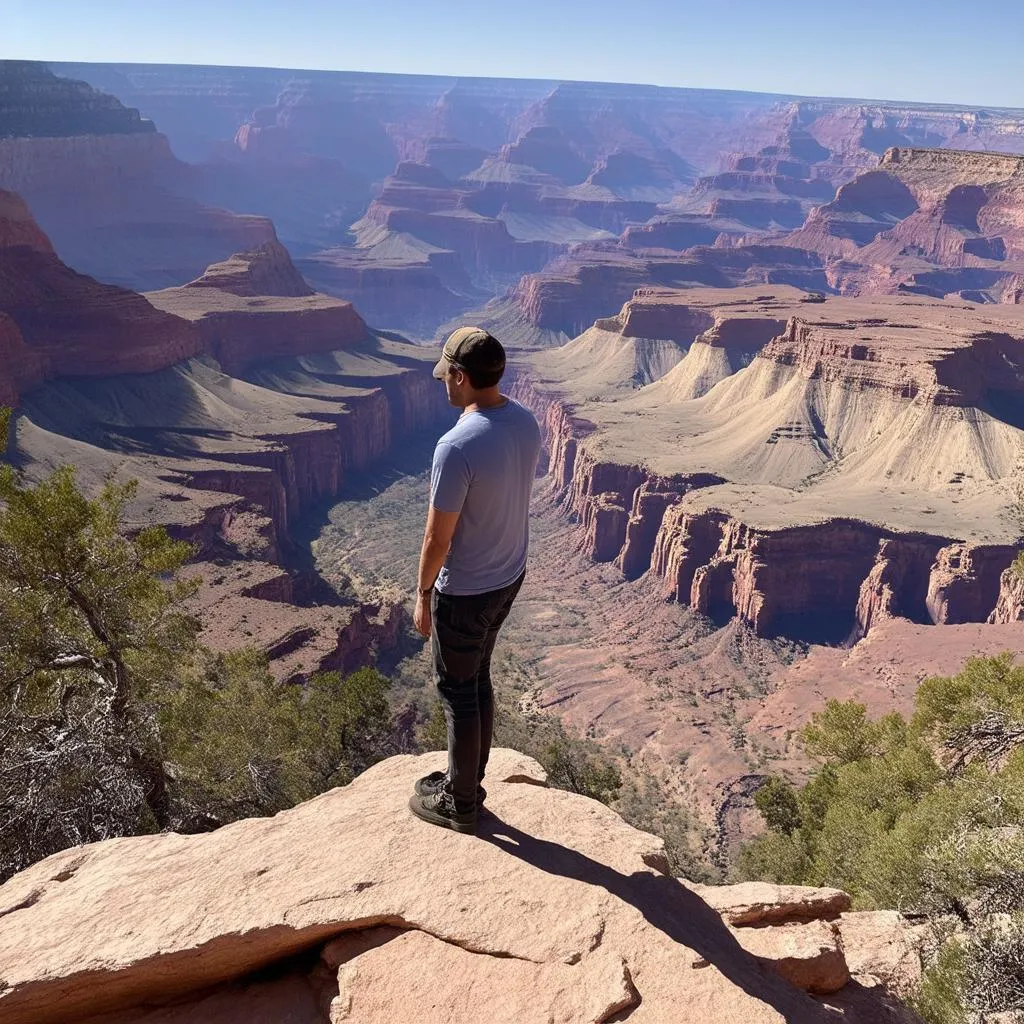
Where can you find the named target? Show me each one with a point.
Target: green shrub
(925, 816)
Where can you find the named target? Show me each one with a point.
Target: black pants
(462, 639)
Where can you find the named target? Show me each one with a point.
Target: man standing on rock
(472, 562)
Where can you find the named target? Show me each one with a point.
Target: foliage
(114, 719)
(925, 816)
(243, 745)
(643, 802)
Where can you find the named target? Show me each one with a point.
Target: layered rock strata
(343, 934)
(107, 189)
(561, 301)
(58, 322)
(35, 102)
(292, 392)
(807, 422)
(256, 306)
(925, 221)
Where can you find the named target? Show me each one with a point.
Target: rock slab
(348, 908)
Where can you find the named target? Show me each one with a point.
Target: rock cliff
(555, 910)
(593, 281)
(105, 379)
(1010, 603)
(759, 484)
(927, 221)
(35, 102)
(527, 170)
(256, 306)
(72, 324)
(112, 201)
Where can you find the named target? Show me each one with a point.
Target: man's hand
(421, 616)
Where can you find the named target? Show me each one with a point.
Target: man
(472, 562)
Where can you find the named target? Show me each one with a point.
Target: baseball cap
(471, 349)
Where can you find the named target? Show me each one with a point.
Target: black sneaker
(435, 780)
(439, 809)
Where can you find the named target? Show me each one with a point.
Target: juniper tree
(925, 816)
(114, 718)
(92, 630)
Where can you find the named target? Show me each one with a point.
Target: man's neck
(490, 399)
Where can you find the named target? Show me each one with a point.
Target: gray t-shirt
(484, 469)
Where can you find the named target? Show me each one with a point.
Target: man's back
(484, 469)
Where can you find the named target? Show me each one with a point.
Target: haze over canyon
(776, 347)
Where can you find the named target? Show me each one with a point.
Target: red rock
(20, 368)
(256, 306)
(757, 904)
(179, 929)
(883, 950)
(809, 956)
(897, 585)
(267, 270)
(861, 210)
(826, 578)
(107, 230)
(965, 582)
(72, 324)
(1010, 603)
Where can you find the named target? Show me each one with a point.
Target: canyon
(239, 403)
(811, 467)
(774, 344)
(422, 199)
(776, 347)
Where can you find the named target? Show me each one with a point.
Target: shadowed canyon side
(812, 468)
(239, 403)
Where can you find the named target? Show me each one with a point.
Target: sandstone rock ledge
(347, 908)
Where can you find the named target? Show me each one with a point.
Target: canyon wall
(830, 581)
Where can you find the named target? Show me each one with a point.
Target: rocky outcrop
(897, 585)
(572, 292)
(558, 910)
(819, 583)
(926, 221)
(21, 368)
(757, 904)
(408, 289)
(883, 950)
(227, 464)
(770, 192)
(815, 577)
(861, 210)
(256, 306)
(1010, 603)
(965, 582)
(266, 270)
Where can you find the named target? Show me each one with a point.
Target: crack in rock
(625, 1008)
(29, 901)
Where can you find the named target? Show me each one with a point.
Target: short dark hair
(481, 379)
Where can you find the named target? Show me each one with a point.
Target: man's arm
(437, 539)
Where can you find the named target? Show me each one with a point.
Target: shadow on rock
(669, 906)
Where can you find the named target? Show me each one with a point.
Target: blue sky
(939, 51)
